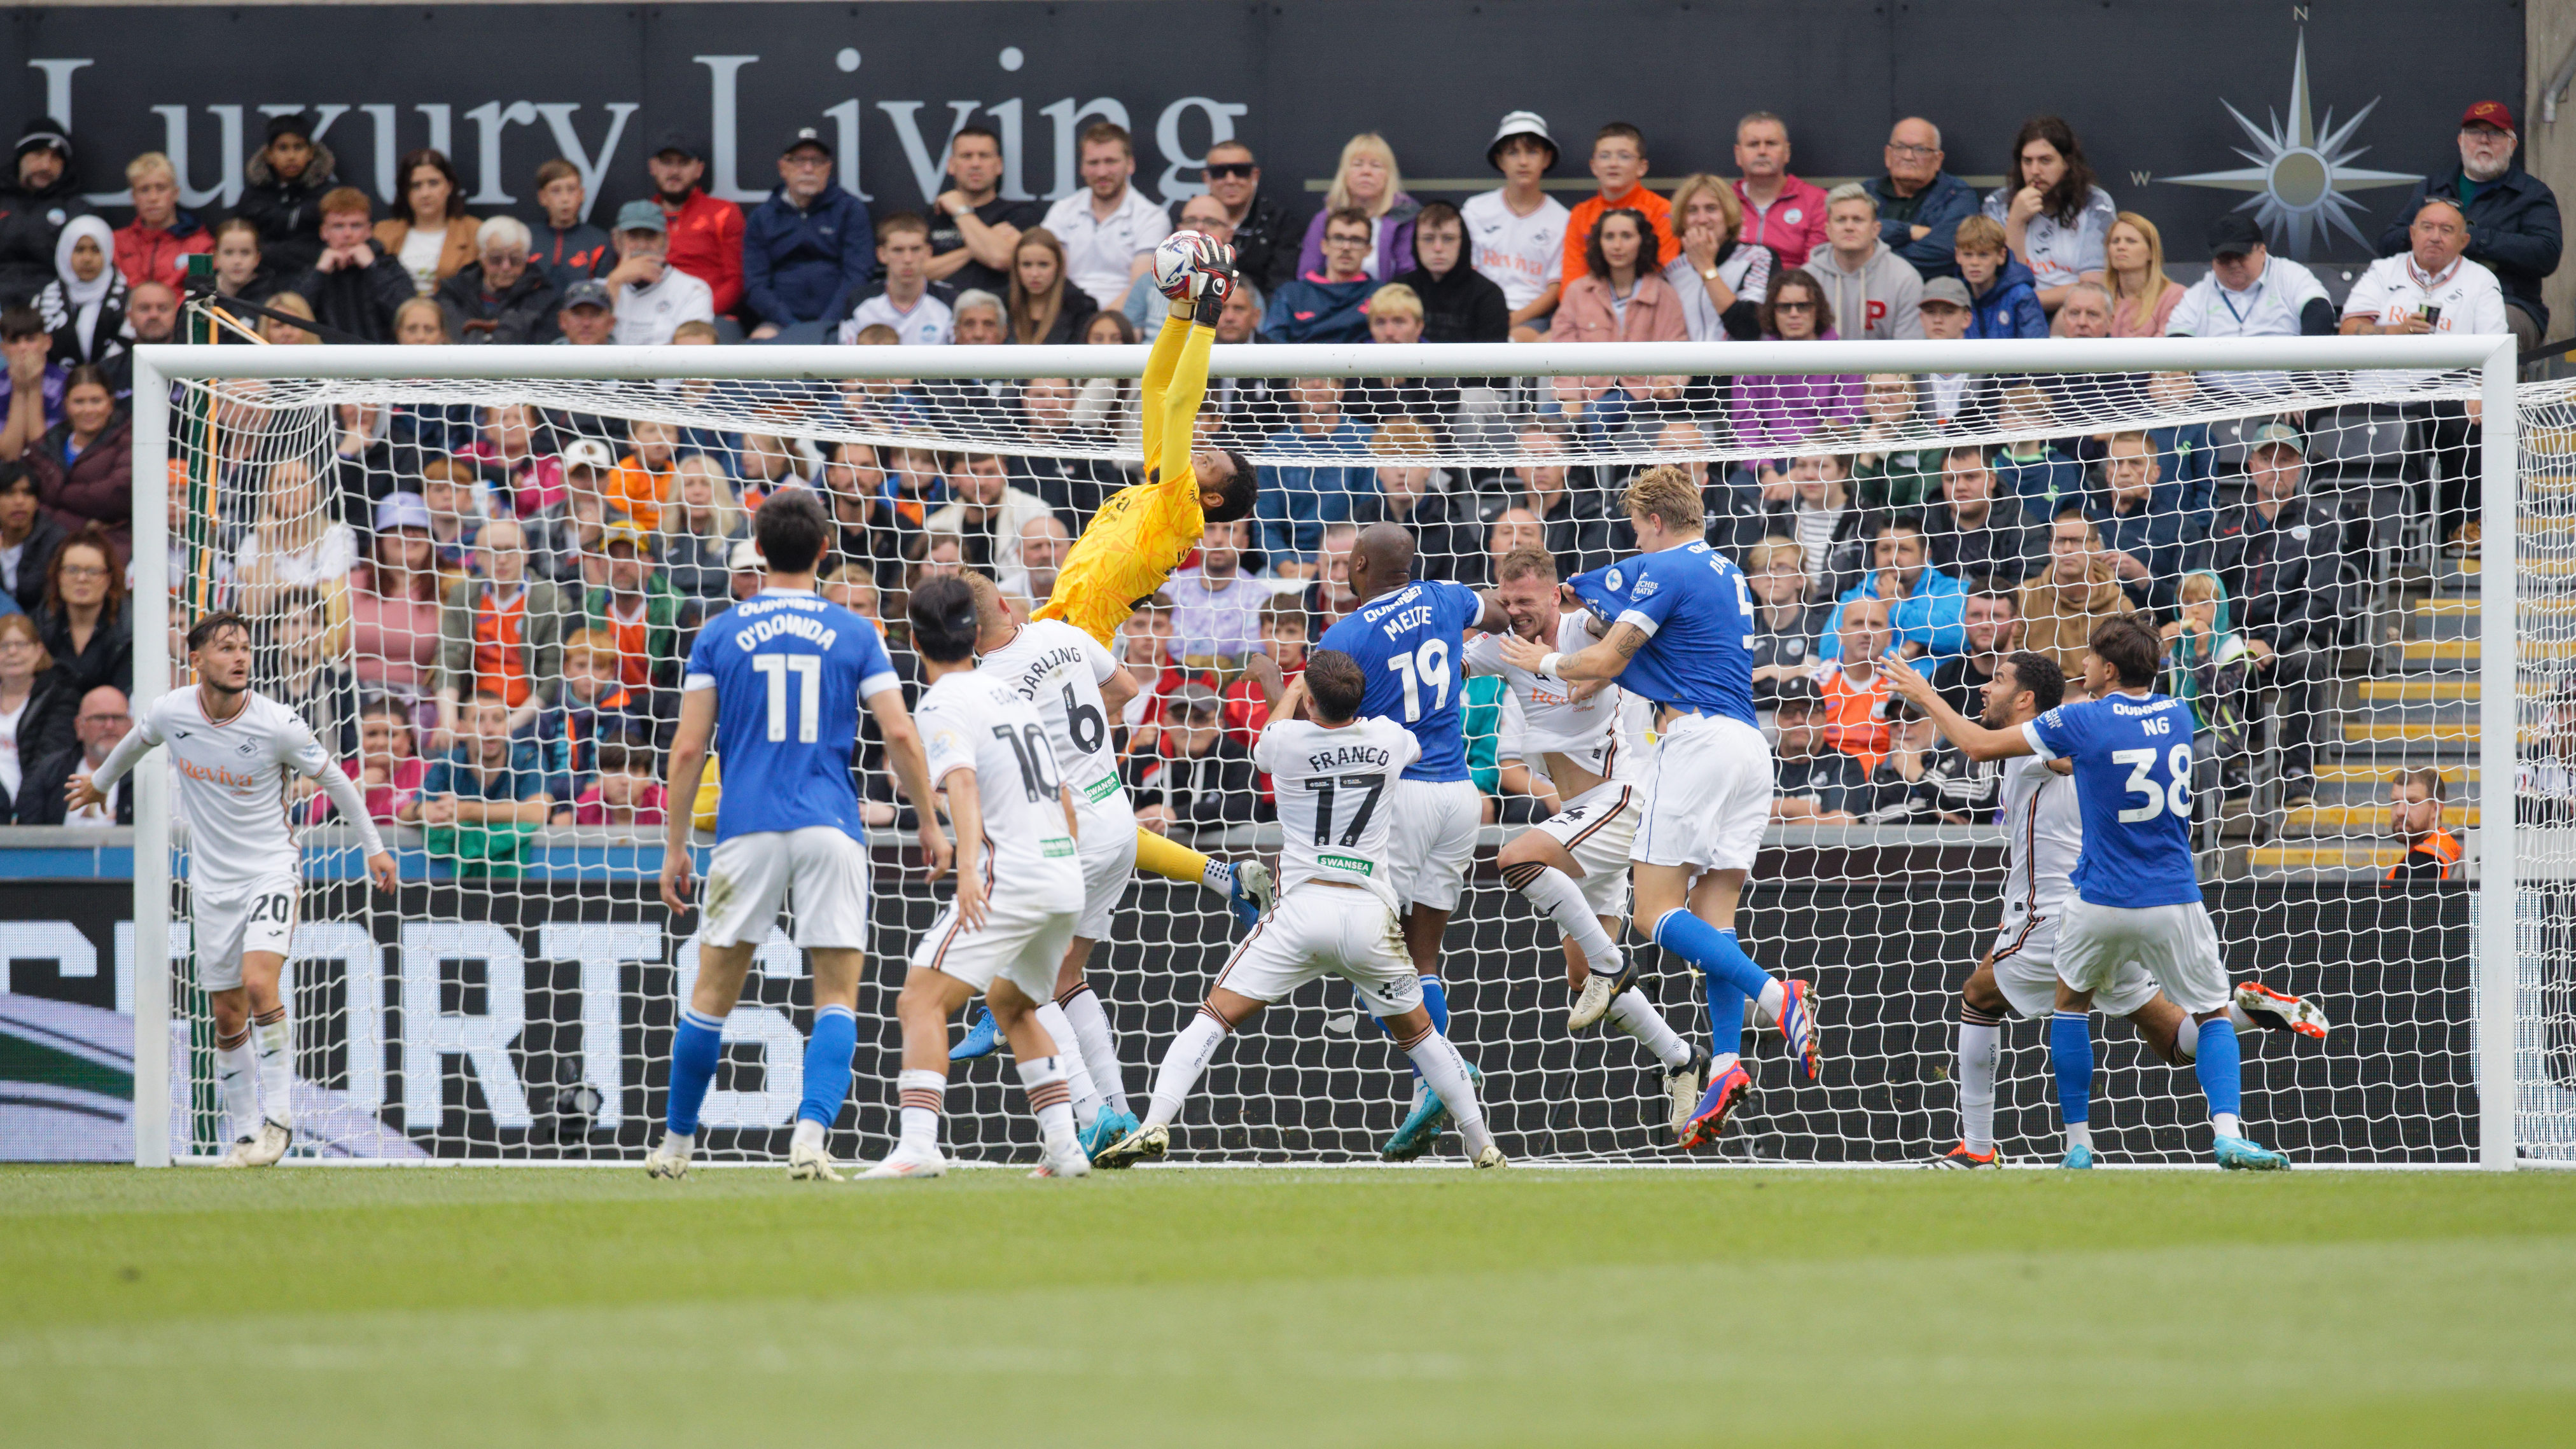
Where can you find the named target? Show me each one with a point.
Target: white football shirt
(2395, 289)
(234, 783)
(647, 316)
(973, 721)
(1098, 254)
(1520, 254)
(1337, 799)
(1544, 718)
(2045, 830)
(1059, 669)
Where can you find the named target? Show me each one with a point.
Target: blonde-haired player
(1142, 532)
(236, 751)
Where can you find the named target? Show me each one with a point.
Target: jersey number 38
(2174, 795)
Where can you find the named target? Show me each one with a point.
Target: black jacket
(1464, 306)
(34, 557)
(359, 302)
(40, 792)
(108, 660)
(2513, 231)
(30, 221)
(44, 733)
(287, 213)
(1218, 788)
(2285, 574)
(524, 313)
(2011, 544)
(1265, 246)
(1447, 544)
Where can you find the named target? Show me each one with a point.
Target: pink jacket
(1793, 225)
(1585, 314)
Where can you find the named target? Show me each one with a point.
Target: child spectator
(1619, 165)
(1284, 634)
(241, 269)
(594, 704)
(2002, 301)
(1459, 303)
(1196, 776)
(388, 769)
(1517, 230)
(625, 792)
(282, 186)
(2032, 468)
(447, 489)
(642, 480)
(572, 250)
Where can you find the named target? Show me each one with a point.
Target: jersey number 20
(2174, 796)
(808, 669)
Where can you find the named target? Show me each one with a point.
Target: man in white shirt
(907, 305)
(2433, 287)
(2249, 293)
(1109, 229)
(652, 297)
(1518, 231)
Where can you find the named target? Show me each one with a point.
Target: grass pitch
(482, 1307)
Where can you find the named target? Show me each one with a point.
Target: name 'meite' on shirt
(789, 669)
(2132, 758)
(1407, 646)
(1697, 614)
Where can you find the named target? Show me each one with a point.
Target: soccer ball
(1179, 256)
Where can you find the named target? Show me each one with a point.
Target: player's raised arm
(1973, 739)
(911, 767)
(1603, 659)
(688, 766)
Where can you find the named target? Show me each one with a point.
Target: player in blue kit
(775, 684)
(2137, 897)
(1680, 623)
(1407, 636)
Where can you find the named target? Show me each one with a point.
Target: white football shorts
(1707, 795)
(1325, 930)
(2026, 970)
(1597, 828)
(2175, 946)
(1108, 863)
(751, 877)
(1017, 943)
(230, 921)
(1434, 840)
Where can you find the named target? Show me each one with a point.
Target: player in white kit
(1573, 866)
(2043, 837)
(237, 753)
(1062, 670)
(1334, 776)
(1019, 889)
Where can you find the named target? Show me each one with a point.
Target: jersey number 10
(808, 669)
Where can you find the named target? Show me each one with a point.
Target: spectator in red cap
(706, 234)
(2512, 215)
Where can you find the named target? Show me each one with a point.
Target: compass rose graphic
(2301, 171)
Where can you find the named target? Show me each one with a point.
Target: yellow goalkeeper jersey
(1143, 532)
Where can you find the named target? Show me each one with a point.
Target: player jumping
(1142, 532)
(2044, 835)
(2137, 898)
(774, 683)
(1336, 778)
(1573, 866)
(1019, 890)
(1680, 625)
(236, 751)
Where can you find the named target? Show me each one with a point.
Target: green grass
(474, 1306)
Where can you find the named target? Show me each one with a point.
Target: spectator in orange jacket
(1619, 164)
(156, 245)
(706, 234)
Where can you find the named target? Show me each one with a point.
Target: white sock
(1766, 1007)
(2236, 1018)
(2079, 1134)
(678, 1144)
(1720, 1063)
(273, 1039)
(1978, 1043)
(920, 1094)
(1555, 892)
(809, 1133)
(2227, 1124)
(1446, 1072)
(1050, 1097)
(1187, 1056)
(1632, 1013)
(1099, 1045)
(1218, 876)
(237, 1079)
(1077, 1076)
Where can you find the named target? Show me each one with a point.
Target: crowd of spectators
(480, 605)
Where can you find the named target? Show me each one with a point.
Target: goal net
(476, 572)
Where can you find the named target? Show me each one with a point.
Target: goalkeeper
(1143, 532)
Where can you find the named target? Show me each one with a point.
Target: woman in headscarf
(84, 306)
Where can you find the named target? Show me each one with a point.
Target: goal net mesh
(481, 591)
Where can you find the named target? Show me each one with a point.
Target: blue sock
(694, 1050)
(1725, 1015)
(2070, 1051)
(827, 1064)
(2220, 1068)
(1435, 999)
(1713, 951)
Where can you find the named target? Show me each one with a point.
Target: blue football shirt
(1408, 647)
(1697, 612)
(789, 669)
(2132, 757)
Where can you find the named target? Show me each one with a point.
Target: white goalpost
(514, 1002)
